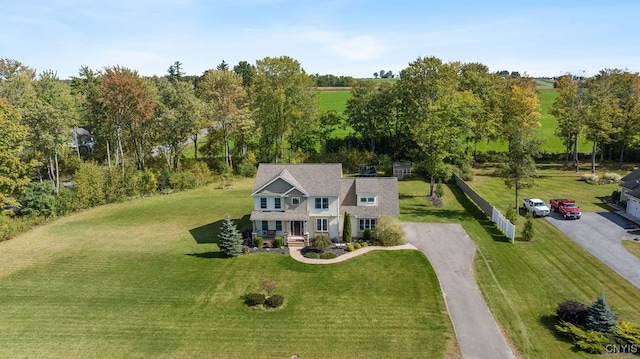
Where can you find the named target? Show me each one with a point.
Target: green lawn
(142, 279)
(633, 247)
(523, 282)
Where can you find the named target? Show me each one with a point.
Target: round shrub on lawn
(349, 248)
(252, 299)
(312, 255)
(274, 301)
(328, 255)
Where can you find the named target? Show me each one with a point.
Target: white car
(536, 207)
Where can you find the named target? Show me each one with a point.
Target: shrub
(613, 177)
(254, 299)
(268, 285)
(349, 248)
(466, 172)
(312, 255)
(39, 199)
(572, 311)
(600, 316)
(88, 185)
(321, 242)
(527, 229)
(357, 246)
(328, 255)
(627, 333)
(66, 201)
(367, 234)
(511, 215)
(590, 178)
(278, 241)
(439, 190)
(142, 183)
(259, 242)
(615, 195)
(388, 231)
(364, 244)
(588, 340)
(346, 229)
(181, 181)
(247, 167)
(274, 301)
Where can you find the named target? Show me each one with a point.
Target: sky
(345, 38)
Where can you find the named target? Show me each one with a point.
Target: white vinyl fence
(505, 226)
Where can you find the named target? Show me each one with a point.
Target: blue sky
(351, 38)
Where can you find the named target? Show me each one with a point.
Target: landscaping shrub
(613, 177)
(320, 242)
(346, 229)
(349, 248)
(627, 333)
(278, 241)
(388, 231)
(268, 285)
(590, 178)
(328, 255)
(439, 190)
(357, 246)
(252, 299)
(600, 316)
(312, 255)
(274, 301)
(367, 234)
(511, 215)
(259, 242)
(591, 341)
(615, 195)
(572, 311)
(527, 229)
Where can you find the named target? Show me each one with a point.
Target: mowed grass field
(523, 282)
(144, 279)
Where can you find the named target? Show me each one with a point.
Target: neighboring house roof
(311, 179)
(631, 181)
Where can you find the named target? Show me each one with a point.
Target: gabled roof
(386, 189)
(310, 178)
(632, 176)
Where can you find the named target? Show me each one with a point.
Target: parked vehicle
(566, 207)
(536, 207)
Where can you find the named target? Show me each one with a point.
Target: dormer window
(367, 200)
(295, 201)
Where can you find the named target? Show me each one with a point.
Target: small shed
(401, 169)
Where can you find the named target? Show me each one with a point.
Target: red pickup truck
(566, 207)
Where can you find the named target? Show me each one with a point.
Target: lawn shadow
(477, 213)
(549, 322)
(207, 255)
(208, 234)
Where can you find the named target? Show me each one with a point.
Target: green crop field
(145, 279)
(334, 100)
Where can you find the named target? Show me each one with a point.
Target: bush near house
(388, 232)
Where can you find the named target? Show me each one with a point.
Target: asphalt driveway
(601, 234)
(451, 253)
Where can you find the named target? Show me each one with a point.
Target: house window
(367, 223)
(367, 200)
(295, 201)
(322, 225)
(322, 203)
(278, 225)
(277, 203)
(265, 225)
(263, 203)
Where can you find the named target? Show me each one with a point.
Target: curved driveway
(601, 234)
(451, 253)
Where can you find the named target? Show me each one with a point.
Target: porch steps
(295, 244)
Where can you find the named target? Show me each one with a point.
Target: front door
(296, 228)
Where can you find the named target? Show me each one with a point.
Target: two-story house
(301, 200)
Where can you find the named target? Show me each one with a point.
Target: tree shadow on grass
(208, 234)
(549, 322)
(473, 210)
(207, 255)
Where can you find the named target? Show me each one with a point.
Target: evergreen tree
(527, 230)
(230, 239)
(346, 230)
(600, 316)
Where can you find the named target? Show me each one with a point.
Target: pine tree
(527, 230)
(600, 316)
(230, 239)
(346, 230)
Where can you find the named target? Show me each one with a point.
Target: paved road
(601, 234)
(451, 253)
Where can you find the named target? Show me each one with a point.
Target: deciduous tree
(13, 171)
(569, 108)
